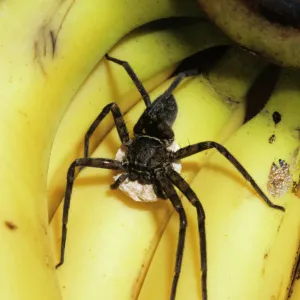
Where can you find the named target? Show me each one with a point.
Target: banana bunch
(54, 82)
(112, 239)
(251, 247)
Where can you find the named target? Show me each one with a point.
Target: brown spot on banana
(45, 43)
(10, 225)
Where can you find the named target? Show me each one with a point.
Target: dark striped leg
(119, 181)
(177, 81)
(193, 149)
(81, 162)
(133, 77)
(119, 121)
(183, 186)
(166, 186)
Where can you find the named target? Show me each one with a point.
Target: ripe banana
(111, 239)
(109, 82)
(270, 28)
(45, 57)
(251, 247)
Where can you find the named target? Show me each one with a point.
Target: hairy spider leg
(119, 181)
(119, 121)
(195, 148)
(133, 77)
(103, 163)
(159, 105)
(184, 187)
(165, 184)
(168, 92)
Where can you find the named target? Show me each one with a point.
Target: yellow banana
(111, 238)
(45, 57)
(109, 82)
(251, 247)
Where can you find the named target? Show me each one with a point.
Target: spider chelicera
(148, 160)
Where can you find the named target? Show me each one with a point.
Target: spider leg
(133, 77)
(165, 185)
(184, 187)
(119, 181)
(177, 81)
(80, 162)
(119, 121)
(195, 148)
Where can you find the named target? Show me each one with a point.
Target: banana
(109, 82)
(45, 57)
(111, 238)
(251, 247)
(270, 28)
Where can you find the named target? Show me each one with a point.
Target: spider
(148, 160)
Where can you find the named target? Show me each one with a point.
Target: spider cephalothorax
(146, 154)
(144, 157)
(150, 159)
(149, 152)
